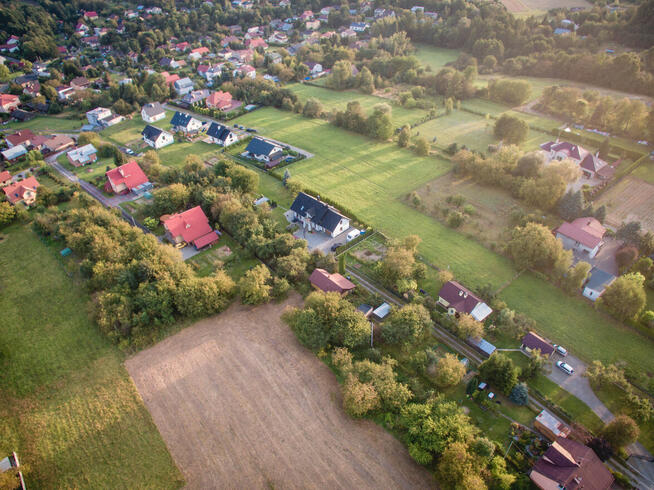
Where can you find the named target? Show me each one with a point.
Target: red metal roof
(129, 174)
(191, 225)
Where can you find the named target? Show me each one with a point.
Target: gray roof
(258, 146)
(599, 279)
(153, 109)
(151, 132)
(180, 119)
(317, 211)
(218, 131)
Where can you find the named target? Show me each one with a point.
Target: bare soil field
(631, 199)
(241, 404)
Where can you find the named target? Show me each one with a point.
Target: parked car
(181, 245)
(566, 368)
(236, 126)
(251, 130)
(129, 151)
(352, 235)
(336, 245)
(560, 350)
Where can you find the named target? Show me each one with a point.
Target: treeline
(379, 125)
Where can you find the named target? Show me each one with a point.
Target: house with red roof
(168, 78)
(5, 178)
(181, 47)
(583, 234)
(256, 42)
(590, 163)
(9, 102)
(126, 178)
(324, 281)
(219, 100)
(191, 226)
(23, 191)
(23, 137)
(91, 15)
(457, 300)
(198, 53)
(11, 45)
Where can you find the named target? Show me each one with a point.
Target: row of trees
(379, 125)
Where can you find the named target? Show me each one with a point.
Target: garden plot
(631, 199)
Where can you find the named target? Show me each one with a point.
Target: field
(47, 124)
(645, 171)
(631, 199)
(371, 179)
(435, 58)
(87, 172)
(461, 127)
(533, 7)
(128, 132)
(238, 400)
(577, 325)
(67, 404)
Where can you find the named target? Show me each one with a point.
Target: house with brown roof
(23, 137)
(23, 191)
(456, 299)
(570, 465)
(551, 427)
(583, 234)
(5, 178)
(532, 341)
(324, 281)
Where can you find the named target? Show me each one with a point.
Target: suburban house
(23, 191)
(185, 123)
(5, 178)
(359, 26)
(532, 341)
(570, 464)
(597, 282)
(195, 96)
(551, 427)
(58, 142)
(84, 155)
(221, 135)
(80, 83)
(191, 226)
(170, 79)
(23, 137)
(183, 86)
(263, 150)
(324, 281)
(583, 234)
(589, 163)
(457, 299)
(65, 92)
(314, 68)
(126, 178)
(14, 153)
(153, 112)
(219, 100)
(96, 115)
(209, 72)
(157, 138)
(9, 102)
(317, 215)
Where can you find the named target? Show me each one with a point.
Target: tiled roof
(191, 225)
(327, 282)
(16, 191)
(587, 231)
(129, 174)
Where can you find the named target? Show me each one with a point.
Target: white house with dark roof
(185, 123)
(457, 299)
(263, 150)
(589, 163)
(221, 135)
(153, 112)
(597, 283)
(157, 138)
(317, 215)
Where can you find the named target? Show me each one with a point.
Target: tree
(605, 149)
(533, 246)
(629, 232)
(571, 205)
(601, 447)
(621, 431)
(625, 297)
(254, 286)
(4, 72)
(519, 394)
(529, 165)
(171, 199)
(626, 256)
(380, 124)
(467, 326)
(500, 372)
(422, 146)
(341, 75)
(406, 325)
(359, 398)
(7, 211)
(404, 137)
(456, 464)
(511, 129)
(576, 277)
(313, 108)
(449, 371)
(397, 264)
(365, 81)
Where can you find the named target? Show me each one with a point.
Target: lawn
(370, 179)
(175, 154)
(128, 132)
(67, 404)
(645, 171)
(236, 264)
(435, 58)
(48, 124)
(337, 100)
(461, 127)
(574, 323)
(87, 172)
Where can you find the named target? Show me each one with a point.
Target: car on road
(566, 368)
(251, 130)
(335, 246)
(560, 350)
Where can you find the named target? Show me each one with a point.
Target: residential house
(324, 281)
(209, 72)
(14, 153)
(263, 150)
(185, 123)
(5, 178)
(235, 29)
(568, 464)
(532, 341)
(219, 100)
(153, 112)
(255, 42)
(126, 178)
(170, 79)
(57, 143)
(315, 214)
(583, 234)
(274, 57)
(22, 137)
(80, 83)
(359, 26)
(195, 96)
(227, 40)
(98, 114)
(64, 92)
(312, 25)
(597, 283)
(246, 71)
(221, 135)
(156, 138)
(315, 69)
(589, 163)
(551, 427)
(181, 47)
(91, 41)
(11, 46)
(306, 15)
(457, 300)
(23, 191)
(84, 155)
(9, 102)
(278, 37)
(191, 226)
(32, 89)
(183, 86)
(416, 8)
(348, 33)
(198, 53)
(91, 15)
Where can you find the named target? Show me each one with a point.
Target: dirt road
(241, 404)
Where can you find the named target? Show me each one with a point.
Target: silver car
(566, 368)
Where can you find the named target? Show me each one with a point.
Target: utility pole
(372, 330)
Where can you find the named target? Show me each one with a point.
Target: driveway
(317, 240)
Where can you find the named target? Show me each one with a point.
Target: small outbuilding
(324, 281)
(532, 341)
(551, 427)
(597, 283)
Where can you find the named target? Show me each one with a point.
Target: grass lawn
(577, 325)
(128, 132)
(236, 264)
(337, 100)
(645, 171)
(461, 127)
(435, 58)
(370, 179)
(48, 124)
(87, 172)
(175, 154)
(67, 404)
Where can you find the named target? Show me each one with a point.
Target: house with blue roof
(185, 123)
(319, 216)
(221, 135)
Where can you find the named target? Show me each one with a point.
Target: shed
(482, 346)
(382, 311)
(550, 426)
(365, 309)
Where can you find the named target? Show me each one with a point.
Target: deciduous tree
(449, 371)
(625, 297)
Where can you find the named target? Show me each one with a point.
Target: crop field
(371, 179)
(631, 199)
(338, 100)
(67, 404)
(574, 322)
(435, 58)
(645, 171)
(237, 399)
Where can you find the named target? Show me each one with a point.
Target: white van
(352, 235)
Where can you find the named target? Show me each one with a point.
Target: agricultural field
(371, 180)
(241, 374)
(337, 100)
(574, 322)
(645, 171)
(535, 7)
(67, 404)
(435, 58)
(631, 199)
(48, 124)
